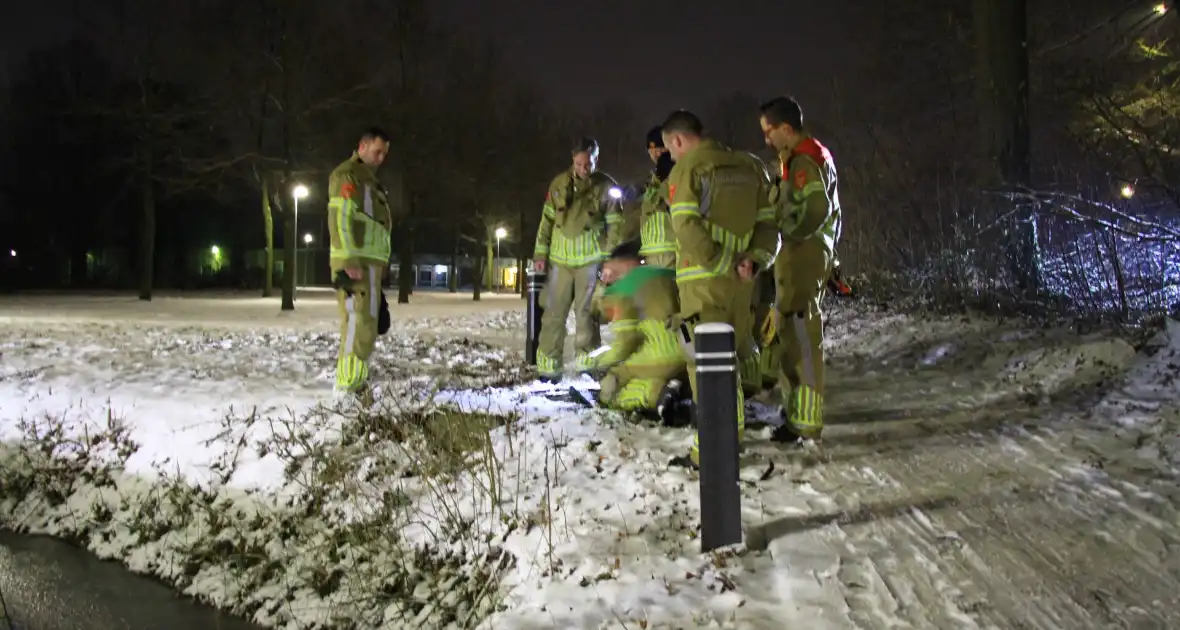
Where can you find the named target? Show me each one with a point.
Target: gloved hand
(608, 386)
(341, 282)
(664, 166)
(384, 321)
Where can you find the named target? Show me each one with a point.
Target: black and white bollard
(717, 393)
(532, 334)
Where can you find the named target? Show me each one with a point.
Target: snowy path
(973, 475)
(964, 503)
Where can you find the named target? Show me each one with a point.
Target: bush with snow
(376, 523)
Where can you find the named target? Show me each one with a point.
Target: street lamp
(1160, 9)
(298, 192)
(500, 233)
(12, 252)
(216, 251)
(1127, 191)
(307, 239)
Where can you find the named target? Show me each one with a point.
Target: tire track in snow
(1020, 534)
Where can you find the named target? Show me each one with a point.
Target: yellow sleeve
(809, 207)
(625, 327)
(342, 208)
(694, 243)
(764, 243)
(545, 229)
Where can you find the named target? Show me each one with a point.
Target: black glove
(664, 166)
(341, 282)
(383, 319)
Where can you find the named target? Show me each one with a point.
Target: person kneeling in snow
(644, 365)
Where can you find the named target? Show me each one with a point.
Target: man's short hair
(783, 109)
(628, 250)
(585, 144)
(684, 122)
(373, 133)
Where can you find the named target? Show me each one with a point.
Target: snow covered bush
(375, 523)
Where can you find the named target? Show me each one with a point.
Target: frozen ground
(975, 475)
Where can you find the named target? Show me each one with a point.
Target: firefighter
(581, 219)
(658, 245)
(810, 221)
(725, 233)
(644, 365)
(360, 224)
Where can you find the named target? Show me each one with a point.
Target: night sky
(663, 54)
(656, 54)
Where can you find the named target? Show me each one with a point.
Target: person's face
(614, 270)
(373, 151)
(777, 137)
(676, 145)
(583, 164)
(655, 152)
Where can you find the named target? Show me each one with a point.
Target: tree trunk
(520, 275)
(288, 261)
(405, 262)
(147, 235)
(1001, 28)
(478, 279)
(453, 278)
(490, 281)
(268, 220)
(289, 235)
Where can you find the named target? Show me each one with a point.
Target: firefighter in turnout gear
(748, 331)
(658, 245)
(360, 223)
(809, 218)
(645, 366)
(581, 220)
(725, 232)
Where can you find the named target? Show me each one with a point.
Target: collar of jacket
(357, 158)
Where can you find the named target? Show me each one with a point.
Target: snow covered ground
(975, 475)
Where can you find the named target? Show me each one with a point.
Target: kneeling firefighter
(645, 367)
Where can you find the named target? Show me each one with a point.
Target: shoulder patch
(348, 190)
(671, 193)
(800, 178)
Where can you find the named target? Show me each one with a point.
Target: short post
(717, 394)
(532, 315)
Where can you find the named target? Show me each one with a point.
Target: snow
(975, 474)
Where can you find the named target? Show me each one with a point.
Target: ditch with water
(47, 584)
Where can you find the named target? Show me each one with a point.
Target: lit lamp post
(1127, 191)
(500, 233)
(298, 192)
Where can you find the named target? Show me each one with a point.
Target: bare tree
(1001, 28)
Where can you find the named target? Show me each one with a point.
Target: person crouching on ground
(644, 365)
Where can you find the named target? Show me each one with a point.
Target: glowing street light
(1160, 9)
(307, 239)
(216, 251)
(500, 233)
(1127, 191)
(299, 192)
(12, 252)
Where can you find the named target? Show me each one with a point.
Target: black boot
(667, 403)
(786, 432)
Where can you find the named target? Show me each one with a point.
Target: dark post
(532, 316)
(717, 394)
